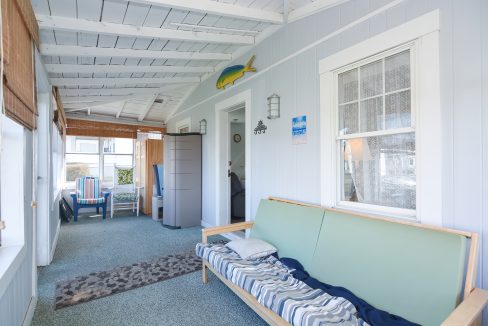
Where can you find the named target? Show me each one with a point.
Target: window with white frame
(381, 129)
(96, 157)
(376, 135)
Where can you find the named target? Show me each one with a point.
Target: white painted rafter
(68, 68)
(105, 28)
(72, 107)
(218, 8)
(88, 51)
(119, 112)
(117, 91)
(147, 108)
(102, 98)
(120, 81)
(217, 29)
(312, 8)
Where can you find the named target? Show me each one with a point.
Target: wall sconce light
(203, 127)
(273, 107)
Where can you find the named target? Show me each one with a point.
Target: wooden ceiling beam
(147, 108)
(218, 8)
(117, 91)
(106, 28)
(121, 81)
(89, 69)
(89, 51)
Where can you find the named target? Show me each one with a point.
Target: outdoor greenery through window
(97, 157)
(376, 132)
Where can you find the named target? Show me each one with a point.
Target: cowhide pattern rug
(120, 279)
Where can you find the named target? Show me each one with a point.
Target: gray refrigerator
(182, 180)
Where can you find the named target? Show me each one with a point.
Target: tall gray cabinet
(182, 180)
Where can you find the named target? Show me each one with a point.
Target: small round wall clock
(237, 138)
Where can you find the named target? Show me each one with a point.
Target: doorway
(233, 173)
(237, 165)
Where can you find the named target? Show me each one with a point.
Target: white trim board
(423, 33)
(291, 56)
(182, 124)
(55, 242)
(221, 179)
(30, 311)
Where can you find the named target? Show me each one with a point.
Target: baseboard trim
(30, 312)
(55, 242)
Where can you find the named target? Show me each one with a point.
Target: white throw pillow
(251, 248)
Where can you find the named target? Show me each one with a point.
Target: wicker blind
(19, 32)
(59, 117)
(78, 127)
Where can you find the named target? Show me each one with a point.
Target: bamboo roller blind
(77, 127)
(59, 117)
(20, 30)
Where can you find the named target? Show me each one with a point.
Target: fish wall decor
(233, 73)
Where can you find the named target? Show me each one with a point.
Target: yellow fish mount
(233, 73)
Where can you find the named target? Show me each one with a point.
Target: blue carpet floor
(93, 245)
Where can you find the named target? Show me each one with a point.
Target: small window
(376, 135)
(96, 157)
(82, 157)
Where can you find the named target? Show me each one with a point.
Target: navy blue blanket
(367, 312)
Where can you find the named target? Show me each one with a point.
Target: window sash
(401, 213)
(101, 159)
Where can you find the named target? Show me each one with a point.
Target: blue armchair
(88, 194)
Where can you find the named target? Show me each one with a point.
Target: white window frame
(101, 161)
(406, 213)
(422, 36)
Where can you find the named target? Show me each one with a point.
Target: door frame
(222, 154)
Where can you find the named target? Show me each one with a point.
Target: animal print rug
(120, 279)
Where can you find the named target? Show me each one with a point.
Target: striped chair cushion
(91, 200)
(88, 191)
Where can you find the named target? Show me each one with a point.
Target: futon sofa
(421, 273)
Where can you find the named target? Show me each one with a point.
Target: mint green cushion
(292, 229)
(408, 271)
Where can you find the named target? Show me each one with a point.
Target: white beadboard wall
(15, 301)
(281, 169)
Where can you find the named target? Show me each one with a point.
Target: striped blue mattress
(272, 284)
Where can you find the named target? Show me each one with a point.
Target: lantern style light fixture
(203, 127)
(273, 106)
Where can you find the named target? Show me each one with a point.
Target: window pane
(372, 114)
(76, 144)
(348, 86)
(397, 110)
(80, 165)
(348, 118)
(397, 71)
(380, 170)
(110, 161)
(371, 79)
(118, 145)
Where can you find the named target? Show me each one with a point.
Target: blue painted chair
(88, 194)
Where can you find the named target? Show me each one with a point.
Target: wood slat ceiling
(100, 48)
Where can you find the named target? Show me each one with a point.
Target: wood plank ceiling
(136, 60)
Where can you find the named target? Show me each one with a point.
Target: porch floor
(93, 245)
